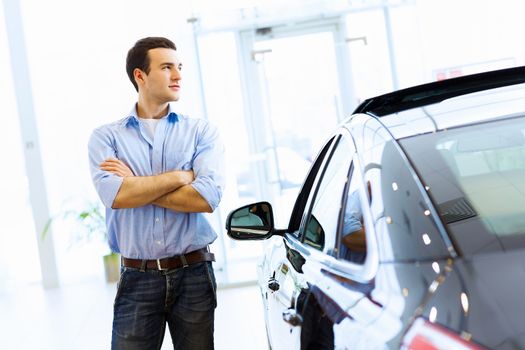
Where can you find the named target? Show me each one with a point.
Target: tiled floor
(79, 317)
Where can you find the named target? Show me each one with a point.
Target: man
(157, 172)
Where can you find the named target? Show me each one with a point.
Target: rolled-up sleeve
(100, 148)
(353, 215)
(208, 166)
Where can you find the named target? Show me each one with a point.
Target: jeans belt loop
(159, 266)
(184, 261)
(143, 265)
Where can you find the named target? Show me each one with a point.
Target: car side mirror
(251, 222)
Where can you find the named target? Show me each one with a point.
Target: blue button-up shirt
(180, 143)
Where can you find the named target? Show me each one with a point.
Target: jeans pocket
(120, 284)
(212, 281)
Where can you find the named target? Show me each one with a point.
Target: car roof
(450, 103)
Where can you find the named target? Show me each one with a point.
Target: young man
(156, 172)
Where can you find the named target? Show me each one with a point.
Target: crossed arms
(170, 190)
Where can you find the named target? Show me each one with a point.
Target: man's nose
(175, 75)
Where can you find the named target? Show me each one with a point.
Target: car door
(351, 281)
(281, 277)
(404, 253)
(339, 274)
(306, 252)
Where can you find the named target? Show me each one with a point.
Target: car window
(411, 231)
(304, 194)
(352, 236)
(476, 177)
(321, 224)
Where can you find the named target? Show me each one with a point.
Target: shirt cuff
(208, 190)
(108, 188)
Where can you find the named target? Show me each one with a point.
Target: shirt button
(158, 242)
(157, 219)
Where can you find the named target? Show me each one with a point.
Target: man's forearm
(137, 191)
(356, 240)
(185, 199)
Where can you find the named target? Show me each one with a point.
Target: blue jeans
(184, 298)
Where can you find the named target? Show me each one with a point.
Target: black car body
(409, 230)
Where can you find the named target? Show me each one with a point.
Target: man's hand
(186, 176)
(117, 167)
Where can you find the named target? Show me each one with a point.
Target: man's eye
(180, 67)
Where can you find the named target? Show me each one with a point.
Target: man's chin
(173, 98)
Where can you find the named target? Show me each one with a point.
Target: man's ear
(139, 76)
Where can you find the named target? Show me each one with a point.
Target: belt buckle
(159, 267)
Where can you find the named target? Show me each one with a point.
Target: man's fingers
(115, 171)
(110, 167)
(112, 162)
(116, 167)
(107, 167)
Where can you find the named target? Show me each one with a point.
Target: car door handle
(273, 284)
(292, 317)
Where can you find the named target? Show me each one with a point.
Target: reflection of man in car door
(353, 247)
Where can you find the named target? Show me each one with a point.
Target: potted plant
(90, 219)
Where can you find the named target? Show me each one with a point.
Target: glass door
(299, 90)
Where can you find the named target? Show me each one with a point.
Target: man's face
(162, 84)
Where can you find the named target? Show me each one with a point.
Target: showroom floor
(79, 317)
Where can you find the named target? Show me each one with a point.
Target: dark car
(409, 230)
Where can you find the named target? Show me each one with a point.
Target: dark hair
(138, 55)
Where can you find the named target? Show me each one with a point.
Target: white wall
(475, 35)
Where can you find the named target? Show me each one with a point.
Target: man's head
(139, 59)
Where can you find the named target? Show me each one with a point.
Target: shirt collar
(133, 119)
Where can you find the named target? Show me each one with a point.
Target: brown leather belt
(174, 262)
